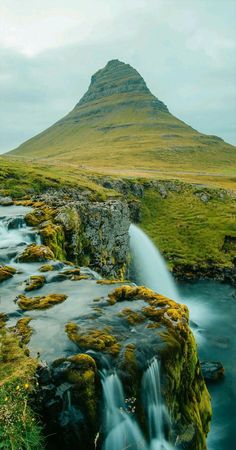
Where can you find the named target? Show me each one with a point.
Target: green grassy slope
(18, 179)
(119, 123)
(189, 231)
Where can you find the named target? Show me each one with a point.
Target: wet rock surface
(212, 370)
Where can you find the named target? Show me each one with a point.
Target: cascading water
(149, 266)
(14, 234)
(156, 412)
(122, 431)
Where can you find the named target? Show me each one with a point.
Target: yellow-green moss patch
(6, 272)
(46, 268)
(53, 237)
(35, 282)
(36, 253)
(40, 302)
(100, 340)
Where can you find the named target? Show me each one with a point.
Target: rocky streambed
(94, 338)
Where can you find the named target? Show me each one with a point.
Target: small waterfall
(121, 430)
(149, 266)
(156, 412)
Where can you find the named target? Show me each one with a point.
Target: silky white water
(149, 265)
(121, 428)
(156, 413)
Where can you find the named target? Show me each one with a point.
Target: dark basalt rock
(212, 370)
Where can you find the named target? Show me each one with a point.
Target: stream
(212, 312)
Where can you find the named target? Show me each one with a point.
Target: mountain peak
(116, 77)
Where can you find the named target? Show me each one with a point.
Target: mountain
(120, 122)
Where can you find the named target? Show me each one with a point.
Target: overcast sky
(184, 49)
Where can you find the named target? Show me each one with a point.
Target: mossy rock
(43, 302)
(23, 329)
(99, 340)
(83, 361)
(6, 272)
(36, 253)
(53, 237)
(160, 309)
(46, 268)
(39, 215)
(35, 282)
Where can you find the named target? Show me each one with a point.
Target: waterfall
(121, 430)
(156, 412)
(149, 266)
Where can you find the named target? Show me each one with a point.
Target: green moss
(185, 390)
(46, 268)
(6, 272)
(99, 340)
(40, 214)
(35, 282)
(3, 320)
(23, 329)
(53, 237)
(40, 302)
(19, 426)
(36, 253)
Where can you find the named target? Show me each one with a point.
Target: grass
(187, 230)
(19, 426)
(18, 178)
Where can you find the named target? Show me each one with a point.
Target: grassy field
(188, 230)
(19, 178)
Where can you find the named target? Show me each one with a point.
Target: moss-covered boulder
(53, 236)
(6, 272)
(46, 268)
(39, 214)
(99, 340)
(36, 253)
(40, 302)
(35, 282)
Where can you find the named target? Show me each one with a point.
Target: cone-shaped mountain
(119, 121)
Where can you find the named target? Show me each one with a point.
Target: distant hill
(120, 123)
